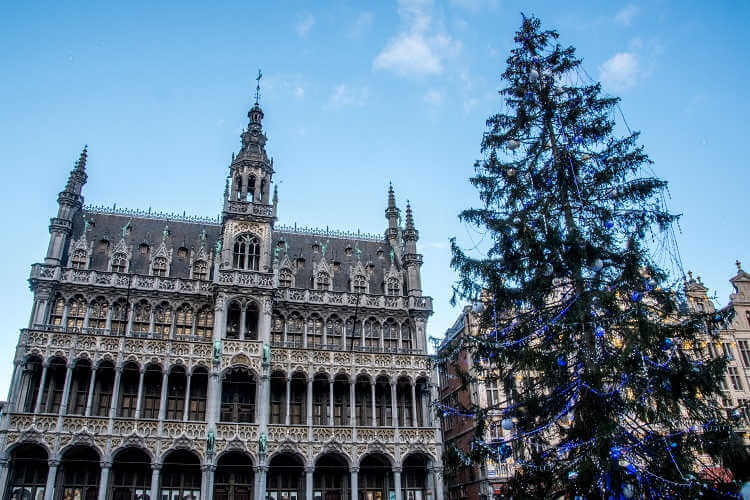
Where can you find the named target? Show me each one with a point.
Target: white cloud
(433, 97)
(474, 5)
(361, 24)
(626, 15)
(620, 72)
(418, 49)
(304, 24)
(347, 95)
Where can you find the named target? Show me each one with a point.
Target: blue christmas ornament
(609, 224)
(529, 96)
(636, 296)
(599, 332)
(673, 445)
(535, 60)
(507, 424)
(630, 468)
(668, 343)
(561, 361)
(573, 475)
(615, 452)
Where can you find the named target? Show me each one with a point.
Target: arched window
(119, 322)
(151, 392)
(322, 281)
(52, 390)
(277, 329)
(131, 475)
(238, 396)
(234, 477)
(390, 335)
(159, 267)
(183, 325)
(294, 330)
(297, 399)
(98, 313)
(251, 188)
(78, 261)
(204, 325)
(251, 321)
(393, 289)
(238, 186)
(372, 334)
(359, 284)
(334, 331)
(76, 313)
(163, 319)
(314, 331)
(28, 472)
(103, 388)
(200, 270)
(128, 390)
(406, 340)
(321, 404)
(233, 320)
(176, 387)
(79, 387)
(246, 252)
(285, 278)
(119, 263)
(383, 410)
(198, 394)
(142, 317)
(58, 309)
(277, 398)
(79, 470)
(353, 334)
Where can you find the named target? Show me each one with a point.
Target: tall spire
(409, 217)
(78, 176)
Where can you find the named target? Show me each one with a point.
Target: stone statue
(276, 253)
(218, 247)
(262, 444)
(210, 442)
(358, 251)
(125, 228)
(217, 352)
(203, 235)
(266, 353)
(324, 246)
(165, 232)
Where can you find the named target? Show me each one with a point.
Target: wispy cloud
(433, 97)
(620, 72)
(299, 92)
(362, 24)
(305, 24)
(419, 49)
(345, 95)
(626, 15)
(474, 5)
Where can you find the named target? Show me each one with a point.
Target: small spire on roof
(257, 87)
(409, 216)
(738, 264)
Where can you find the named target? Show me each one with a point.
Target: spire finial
(257, 87)
(409, 216)
(391, 196)
(81, 163)
(738, 264)
(690, 275)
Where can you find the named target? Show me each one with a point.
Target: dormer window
(360, 284)
(119, 263)
(246, 252)
(322, 281)
(285, 278)
(78, 261)
(393, 287)
(160, 267)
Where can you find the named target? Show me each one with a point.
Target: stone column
(352, 404)
(304, 332)
(151, 322)
(330, 401)
(90, 396)
(186, 410)
(163, 397)
(104, 480)
(207, 481)
(214, 390)
(413, 405)
(64, 320)
(394, 405)
(131, 310)
(108, 321)
(438, 481)
(14, 391)
(355, 483)
(288, 393)
(42, 381)
(86, 315)
(3, 474)
(66, 389)
(309, 482)
(49, 489)
(243, 326)
(262, 472)
(308, 406)
(155, 470)
(397, 481)
(325, 333)
(115, 391)
(372, 403)
(138, 402)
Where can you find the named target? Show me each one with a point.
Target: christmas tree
(609, 390)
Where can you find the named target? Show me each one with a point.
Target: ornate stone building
(171, 357)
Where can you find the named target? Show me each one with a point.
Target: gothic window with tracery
(76, 313)
(119, 322)
(58, 309)
(323, 281)
(277, 329)
(353, 334)
(359, 284)
(372, 333)
(183, 324)
(334, 330)
(246, 252)
(204, 324)
(141, 317)
(315, 331)
(119, 263)
(78, 261)
(160, 267)
(285, 278)
(163, 319)
(390, 335)
(98, 313)
(406, 340)
(393, 287)
(200, 270)
(294, 329)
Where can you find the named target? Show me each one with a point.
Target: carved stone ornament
(31, 436)
(240, 359)
(83, 439)
(134, 440)
(236, 228)
(236, 444)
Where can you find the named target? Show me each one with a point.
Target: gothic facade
(170, 357)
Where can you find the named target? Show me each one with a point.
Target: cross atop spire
(257, 87)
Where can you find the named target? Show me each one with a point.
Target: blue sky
(356, 94)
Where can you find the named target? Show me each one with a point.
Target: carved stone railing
(229, 431)
(328, 233)
(150, 214)
(118, 280)
(246, 278)
(415, 364)
(240, 207)
(296, 433)
(360, 300)
(41, 340)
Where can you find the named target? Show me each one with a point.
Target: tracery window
(294, 330)
(246, 252)
(183, 324)
(159, 267)
(390, 335)
(322, 281)
(204, 324)
(119, 263)
(200, 270)
(406, 340)
(353, 334)
(58, 309)
(393, 287)
(78, 261)
(142, 317)
(493, 393)
(285, 278)
(277, 329)
(98, 313)
(163, 319)
(151, 392)
(334, 331)
(128, 390)
(76, 313)
(359, 284)
(297, 397)
(372, 333)
(314, 331)
(119, 322)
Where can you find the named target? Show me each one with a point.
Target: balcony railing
(341, 348)
(105, 332)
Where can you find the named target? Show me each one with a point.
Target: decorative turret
(275, 201)
(412, 260)
(69, 201)
(392, 214)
